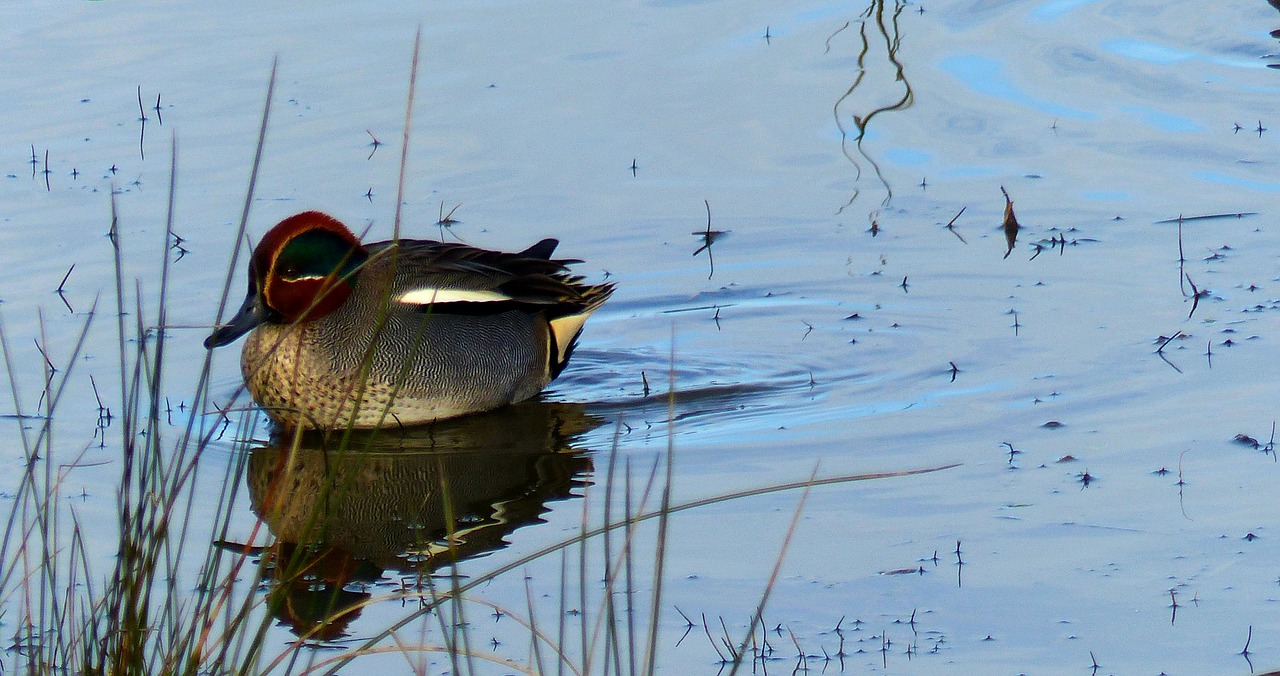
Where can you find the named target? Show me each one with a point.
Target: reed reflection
(880, 85)
(409, 501)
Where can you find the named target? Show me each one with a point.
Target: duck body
(344, 335)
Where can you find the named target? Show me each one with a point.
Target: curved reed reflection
(861, 96)
(410, 502)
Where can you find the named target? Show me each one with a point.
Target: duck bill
(251, 314)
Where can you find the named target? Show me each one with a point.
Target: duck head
(302, 269)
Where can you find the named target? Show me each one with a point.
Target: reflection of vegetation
(885, 44)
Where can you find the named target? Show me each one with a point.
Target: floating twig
(709, 237)
(142, 132)
(951, 225)
(1181, 219)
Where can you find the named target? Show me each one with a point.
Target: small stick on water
(645, 381)
(447, 220)
(1160, 350)
(951, 225)
(64, 277)
(954, 370)
(142, 117)
(46, 170)
(1206, 217)
(1247, 641)
(1182, 259)
(61, 293)
(94, 385)
(709, 237)
(1196, 295)
(157, 109)
(52, 369)
(376, 144)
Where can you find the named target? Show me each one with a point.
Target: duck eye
(288, 270)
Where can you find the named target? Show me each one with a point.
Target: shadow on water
(861, 95)
(409, 501)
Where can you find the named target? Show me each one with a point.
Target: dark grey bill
(251, 314)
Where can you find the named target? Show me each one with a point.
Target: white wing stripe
(429, 296)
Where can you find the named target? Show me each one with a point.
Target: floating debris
(1010, 225)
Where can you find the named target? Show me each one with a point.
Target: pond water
(860, 313)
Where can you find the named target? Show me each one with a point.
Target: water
(1099, 119)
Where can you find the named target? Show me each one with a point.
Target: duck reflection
(409, 500)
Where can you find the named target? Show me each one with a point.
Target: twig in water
(142, 131)
(61, 291)
(712, 641)
(709, 237)
(1160, 350)
(1182, 259)
(688, 625)
(1180, 218)
(951, 225)
(1245, 652)
(447, 220)
(1196, 295)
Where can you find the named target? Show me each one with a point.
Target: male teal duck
(400, 332)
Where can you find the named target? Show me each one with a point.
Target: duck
(401, 332)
